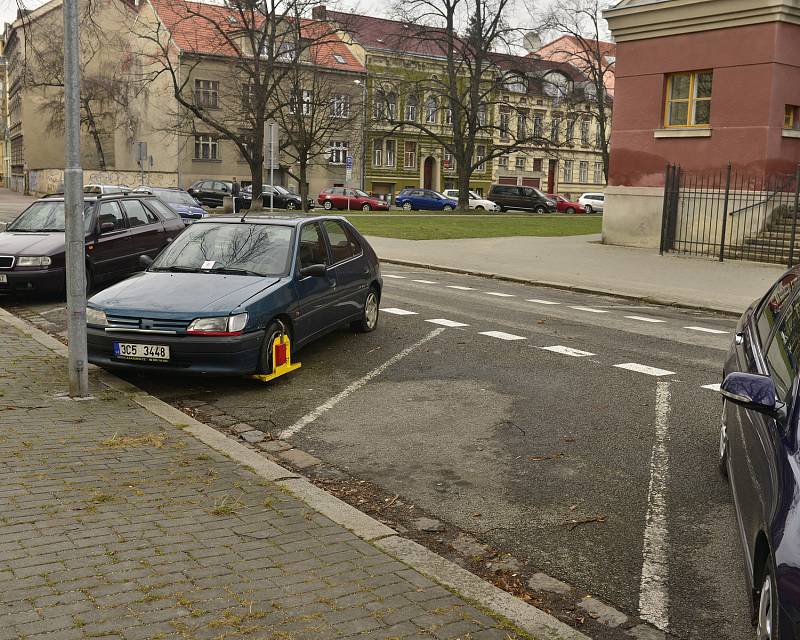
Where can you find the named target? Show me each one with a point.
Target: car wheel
(570, 210)
(540, 209)
(503, 209)
(369, 317)
(447, 207)
(480, 207)
(767, 612)
(327, 205)
(265, 364)
(406, 206)
(723, 448)
(291, 206)
(588, 208)
(366, 207)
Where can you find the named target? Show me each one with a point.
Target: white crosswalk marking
(501, 335)
(713, 387)
(446, 323)
(399, 312)
(537, 301)
(644, 319)
(643, 368)
(424, 281)
(705, 330)
(567, 351)
(499, 295)
(460, 288)
(589, 309)
(391, 275)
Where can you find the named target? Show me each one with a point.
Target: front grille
(128, 322)
(6, 262)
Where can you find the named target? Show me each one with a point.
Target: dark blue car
(425, 200)
(760, 454)
(215, 300)
(179, 201)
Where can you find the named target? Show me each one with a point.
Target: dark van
(509, 196)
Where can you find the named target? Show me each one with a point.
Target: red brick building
(699, 83)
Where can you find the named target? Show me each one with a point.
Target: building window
(301, 102)
(688, 102)
(205, 148)
(502, 162)
(522, 125)
(447, 161)
(206, 93)
(377, 153)
(410, 161)
(555, 125)
(583, 172)
(379, 105)
(598, 173)
(537, 164)
(481, 149)
(567, 170)
(448, 116)
(482, 114)
(505, 124)
(340, 106)
(597, 137)
(411, 108)
(338, 152)
(391, 106)
(390, 152)
(585, 132)
(431, 107)
(538, 126)
(570, 131)
(520, 162)
(791, 117)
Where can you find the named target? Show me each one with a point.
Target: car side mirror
(107, 227)
(755, 392)
(313, 270)
(145, 261)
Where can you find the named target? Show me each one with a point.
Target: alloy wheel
(328, 205)
(371, 310)
(764, 630)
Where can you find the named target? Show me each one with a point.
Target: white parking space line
(644, 319)
(653, 593)
(424, 281)
(643, 368)
(446, 323)
(499, 295)
(567, 351)
(399, 312)
(355, 386)
(589, 309)
(460, 288)
(712, 387)
(501, 335)
(391, 275)
(706, 330)
(537, 301)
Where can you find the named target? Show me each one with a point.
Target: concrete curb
(735, 313)
(521, 614)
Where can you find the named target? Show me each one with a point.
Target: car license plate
(149, 352)
(3, 278)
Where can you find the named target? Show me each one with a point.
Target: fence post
(665, 208)
(794, 215)
(725, 214)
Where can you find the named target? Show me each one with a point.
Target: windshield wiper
(176, 268)
(235, 271)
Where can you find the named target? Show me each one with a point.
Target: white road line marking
(390, 275)
(501, 335)
(653, 594)
(398, 312)
(499, 295)
(424, 281)
(567, 351)
(446, 323)
(705, 330)
(537, 301)
(460, 288)
(642, 368)
(589, 309)
(713, 387)
(355, 386)
(644, 319)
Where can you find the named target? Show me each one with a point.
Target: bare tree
(586, 47)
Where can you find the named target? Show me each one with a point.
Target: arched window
(391, 106)
(557, 85)
(412, 104)
(431, 109)
(379, 104)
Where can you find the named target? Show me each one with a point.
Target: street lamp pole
(78, 365)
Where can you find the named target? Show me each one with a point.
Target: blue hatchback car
(179, 201)
(425, 200)
(759, 452)
(215, 300)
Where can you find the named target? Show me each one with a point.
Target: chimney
(319, 12)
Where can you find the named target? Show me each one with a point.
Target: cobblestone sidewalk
(114, 524)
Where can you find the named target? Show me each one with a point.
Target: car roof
(285, 220)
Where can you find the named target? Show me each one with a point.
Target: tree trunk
(463, 186)
(303, 183)
(257, 169)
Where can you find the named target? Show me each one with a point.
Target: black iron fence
(731, 214)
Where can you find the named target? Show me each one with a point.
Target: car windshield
(236, 248)
(282, 191)
(360, 194)
(472, 195)
(175, 197)
(538, 193)
(44, 216)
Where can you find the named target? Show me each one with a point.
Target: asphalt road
(532, 426)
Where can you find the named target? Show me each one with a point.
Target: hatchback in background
(509, 196)
(220, 295)
(350, 199)
(476, 201)
(758, 453)
(119, 229)
(281, 198)
(104, 189)
(592, 202)
(424, 200)
(210, 192)
(179, 201)
(566, 206)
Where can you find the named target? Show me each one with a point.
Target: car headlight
(219, 326)
(33, 261)
(96, 317)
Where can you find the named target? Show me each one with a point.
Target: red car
(565, 206)
(351, 199)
